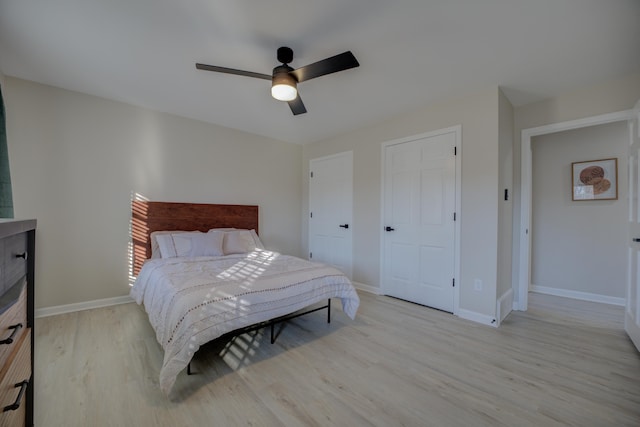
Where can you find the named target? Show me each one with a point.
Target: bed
(202, 273)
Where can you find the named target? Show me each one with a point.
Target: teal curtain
(6, 195)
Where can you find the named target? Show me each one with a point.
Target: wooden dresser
(17, 254)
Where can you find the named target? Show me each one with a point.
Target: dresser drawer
(14, 259)
(13, 316)
(17, 370)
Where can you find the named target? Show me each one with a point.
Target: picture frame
(595, 180)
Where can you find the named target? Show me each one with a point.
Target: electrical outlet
(477, 284)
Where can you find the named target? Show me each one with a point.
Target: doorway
(522, 285)
(579, 246)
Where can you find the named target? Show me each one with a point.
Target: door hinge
(311, 174)
(454, 282)
(310, 255)
(454, 216)
(310, 214)
(455, 151)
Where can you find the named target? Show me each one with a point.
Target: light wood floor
(563, 362)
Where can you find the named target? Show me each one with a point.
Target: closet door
(330, 211)
(419, 220)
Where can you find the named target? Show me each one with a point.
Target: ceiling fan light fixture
(283, 87)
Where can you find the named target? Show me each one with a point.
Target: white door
(330, 211)
(418, 220)
(632, 312)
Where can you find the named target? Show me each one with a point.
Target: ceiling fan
(284, 79)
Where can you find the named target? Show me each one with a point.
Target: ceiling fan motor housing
(285, 55)
(283, 70)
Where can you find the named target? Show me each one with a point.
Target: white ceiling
(412, 53)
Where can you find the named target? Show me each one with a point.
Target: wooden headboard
(147, 217)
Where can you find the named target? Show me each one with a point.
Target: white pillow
(174, 245)
(155, 247)
(207, 244)
(256, 239)
(238, 242)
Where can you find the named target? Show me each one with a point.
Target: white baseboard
(632, 330)
(477, 317)
(79, 306)
(505, 306)
(585, 296)
(367, 288)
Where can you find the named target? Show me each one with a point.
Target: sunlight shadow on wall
(138, 230)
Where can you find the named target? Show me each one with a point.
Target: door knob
(636, 239)
(387, 228)
(344, 225)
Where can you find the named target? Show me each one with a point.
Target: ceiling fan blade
(340, 62)
(233, 71)
(297, 107)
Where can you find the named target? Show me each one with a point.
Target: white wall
(478, 115)
(579, 246)
(77, 159)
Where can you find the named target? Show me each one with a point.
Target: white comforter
(191, 301)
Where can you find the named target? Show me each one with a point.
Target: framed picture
(595, 180)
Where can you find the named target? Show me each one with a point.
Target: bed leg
(273, 338)
(329, 310)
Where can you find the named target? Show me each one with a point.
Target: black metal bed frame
(272, 324)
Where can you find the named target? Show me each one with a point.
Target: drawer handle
(15, 328)
(15, 405)
(23, 255)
